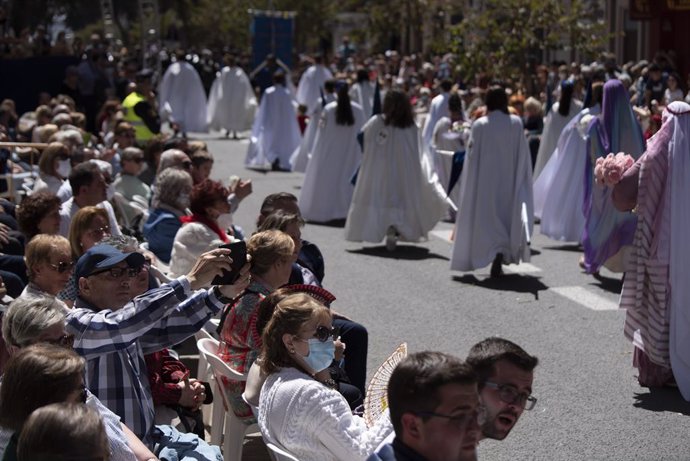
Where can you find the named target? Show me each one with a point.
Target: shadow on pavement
(612, 285)
(331, 223)
(567, 247)
(662, 399)
(507, 282)
(408, 252)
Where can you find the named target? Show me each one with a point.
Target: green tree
(505, 38)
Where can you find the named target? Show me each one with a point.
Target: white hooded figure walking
(182, 99)
(397, 194)
(495, 212)
(275, 133)
(327, 190)
(311, 84)
(232, 103)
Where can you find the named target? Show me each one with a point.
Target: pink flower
(609, 170)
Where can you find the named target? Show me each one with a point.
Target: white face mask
(64, 167)
(110, 191)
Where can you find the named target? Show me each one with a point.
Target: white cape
(553, 126)
(231, 102)
(396, 186)
(182, 99)
(300, 157)
(437, 110)
(496, 181)
(363, 94)
(559, 190)
(310, 85)
(327, 191)
(275, 133)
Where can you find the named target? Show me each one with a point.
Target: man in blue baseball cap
(113, 329)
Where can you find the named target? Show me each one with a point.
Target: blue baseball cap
(103, 257)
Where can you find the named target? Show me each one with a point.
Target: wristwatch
(330, 382)
(221, 297)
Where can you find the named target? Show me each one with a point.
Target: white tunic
(396, 186)
(496, 180)
(559, 190)
(310, 85)
(231, 101)
(275, 133)
(553, 126)
(300, 157)
(363, 94)
(313, 422)
(182, 99)
(438, 109)
(327, 191)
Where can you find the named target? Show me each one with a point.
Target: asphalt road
(590, 406)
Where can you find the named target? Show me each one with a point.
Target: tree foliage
(505, 38)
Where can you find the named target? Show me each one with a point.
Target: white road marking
(586, 298)
(522, 268)
(442, 234)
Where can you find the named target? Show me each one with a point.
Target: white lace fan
(376, 401)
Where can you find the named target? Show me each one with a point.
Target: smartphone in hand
(238, 253)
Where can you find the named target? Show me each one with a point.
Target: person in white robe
(182, 99)
(232, 103)
(301, 156)
(559, 191)
(450, 136)
(438, 109)
(327, 190)
(362, 92)
(275, 133)
(397, 194)
(559, 116)
(494, 219)
(311, 84)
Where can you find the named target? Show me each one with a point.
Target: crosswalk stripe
(586, 298)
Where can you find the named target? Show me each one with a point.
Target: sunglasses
(323, 334)
(66, 341)
(118, 272)
(63, 266)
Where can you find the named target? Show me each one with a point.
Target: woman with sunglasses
(54, 167)
(49, 265)
(299, 409)
(89, 225)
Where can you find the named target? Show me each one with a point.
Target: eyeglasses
(509, 394)
(99, 232)
(66, 341)
(461, 421)
(63, 266)
(118, 272)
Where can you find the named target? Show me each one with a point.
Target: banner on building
(272, 33)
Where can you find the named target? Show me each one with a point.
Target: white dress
(275, 133)
(553, 126)
(301, 156)
(559, 190)
(495, 183)
(437, 110)
(182, 99)
(313, 422)
(327, 191)
(363, 94)
(310, 85)
(396, 186)
(231, 101)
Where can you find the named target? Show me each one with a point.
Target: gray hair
(27, 317)
(124, 243)
(171, 158)
(170, 184)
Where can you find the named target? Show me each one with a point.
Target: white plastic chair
(280, 453)
(204, 373)
(224, 423)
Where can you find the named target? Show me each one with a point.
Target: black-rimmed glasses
(63, 266)
(509, 394)
(461, 420)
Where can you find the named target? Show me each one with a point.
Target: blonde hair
(268, 247)
(80, 224)
(289, 316)
(532, 105)
(47, 161)
(39, 249)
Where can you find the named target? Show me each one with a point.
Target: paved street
(589, 407)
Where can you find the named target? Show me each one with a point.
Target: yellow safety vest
(141, 131)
